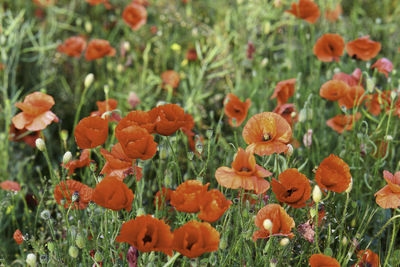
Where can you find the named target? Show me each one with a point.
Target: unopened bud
(223, 244)
(88, 26)
(370, 85)
(73, 251)
(175, 47)
(98, 256)
(284, 242)
(127, 46)
(350, 186)
(120, 68)
(64, 135)
(40, 144)
(302, 115)
(31, 259)
(316, 194)
(344, 241)
(50, 246)
(389, 138)
(80, 241)
(88, 80)
(290, 150)
(140, 211)
(67, 157)
(267, 224)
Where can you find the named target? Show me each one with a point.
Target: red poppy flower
(147, 234)
(84, 160)
(18, 237)
(340, 123)
(284, 90)
(23, 135)
(162, 197)
(267, 133)
(107, 106)
(135, 15)
(91, 132)
(245, 173)
(329, 47)
(368, 258)
(333, 174)
(389, 196)
(383, 65)
(137, 118)
(305, 9)
(363, 48)
(287, 111)
(281, 222)
(136, 142)
(374, 102)
(119, 164)
(73, 46)
(112, 193)
(195, 238)
(320, 260)
(66, 189)
(332, 15)
(10, 186)
(169, 118)
(293, 188)
(191, 54)
(352, 97)
(351, 80)
(213, 205)
(98, 48)
(236, 109)
(36, 114)
(333, 90)
(187, 195)
(170, 79)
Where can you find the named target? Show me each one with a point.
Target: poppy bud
(302, 115)
(31, 259)
(284, 242)
(223, 244)
(40, 144)
(88, 80)
(73, 251)
(120, 68)
(175, 47)
(267, 224)
(127, 46)
(388, 138)
(290, 150)
(67, 157)
(80, 241)
(350, 186)
(344, 241)
(353, 223)
(50, 246)
(370, 85)
(64, 135)
(98, 256)
(88, 26)
(43, 259)
(140, 211)
(316, 194)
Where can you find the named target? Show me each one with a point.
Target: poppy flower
(267, 133)
(281, 222)
(18, 237)
(352, 97)
(162, 197)
(236, 109)
(170, 79)
(389, 196)
(373, 104)
(245, 173)
(195, 238)
(284, 90)
(320, 260)
(333, 174)
(84, 160)
(333, 90)
(363, 48)
(288, 112)
(186, 196)
(383, 65)
(141, 2)
(329, 47)
(112, 193)
(98, 48)
(98, 2)
(135, 15)
(169, 118)
(73, 46)
(147, 234)
(193, 140)
(23, 135)
(10, 186)
(66, 189)
(351, 80)
(332, 15)
(43, 3)
(91, 132)
(293, 188)
(136, 142)
(305, 9)
(368, 258)
(137, 118)
(191, 54)
(36, 114)
(340, 123)
(213, 205)
(107, 106)
(119, 164)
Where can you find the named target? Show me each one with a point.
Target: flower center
(244, 169)
(266, 137)
(147, 239)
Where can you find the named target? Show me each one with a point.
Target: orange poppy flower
(66, 189)
(329, 47)
(332, 15)
(119, 164)
(36, 114)
(245, 173)
(23, 135)
(193, 139)
(333, 174)
(162, 197)
(236, 109)
(98, 48)
(293, 188)
(147, 234)
(73, 46)
(320, 260)
(170, 79)
(363, 48)
(135, 15)
(213, 205)
(186, 196)
(354, 96)
(136, 142)
(84, 160)
(107, 106)
(10, 186)
(340, 123)
(267, 133)
(281, 222)
(374, 102)
(98, 2)
(305, 9)
(169, 118)
(195, 238)
(137, 118)
(91, 132)
(112, 193)
(333, 90)
(389, 196)
(284, 90)
(287, 111)
(383, 65)
(191, 54)
(18, 237)
(368, 258)
(351, 80)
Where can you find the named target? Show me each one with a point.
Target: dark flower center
(290, 192)
(244, 169)
(266, 137)
(147, 239)
(190, 245)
